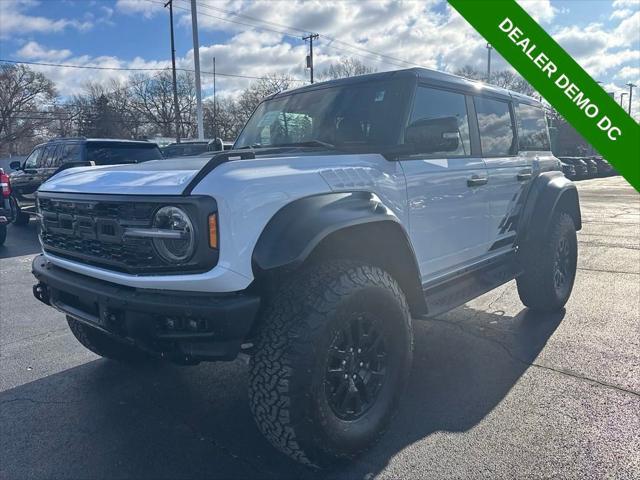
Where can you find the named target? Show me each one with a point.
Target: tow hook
(41, 292)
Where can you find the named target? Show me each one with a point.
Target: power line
(293, 35)
(135, 69)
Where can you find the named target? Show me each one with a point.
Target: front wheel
(550, 267)
(332, 357)
(20, 218)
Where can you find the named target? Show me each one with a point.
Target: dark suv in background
(49, 158)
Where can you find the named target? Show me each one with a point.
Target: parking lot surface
(496, 391)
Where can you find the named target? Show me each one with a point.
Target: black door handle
(523, 176)
(476, 181)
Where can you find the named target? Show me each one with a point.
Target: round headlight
(179, 243)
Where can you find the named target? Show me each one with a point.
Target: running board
(448, 293)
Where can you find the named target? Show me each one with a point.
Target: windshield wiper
(307, 143)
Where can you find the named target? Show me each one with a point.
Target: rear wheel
(103, 345)
(331, 361)
(550, 267)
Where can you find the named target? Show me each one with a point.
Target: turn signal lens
(213, 230)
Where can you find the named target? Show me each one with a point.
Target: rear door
(447, 191)
(509, 172)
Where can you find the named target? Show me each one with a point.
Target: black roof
(431, 77)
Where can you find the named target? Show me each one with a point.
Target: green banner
(559, 79)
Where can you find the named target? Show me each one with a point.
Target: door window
(32, 160)
(497, 135)
(532, 128)
(47, 156)
(70, 153)
(443, 110)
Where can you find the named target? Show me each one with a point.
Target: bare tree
(346, 67)
(501, 78)
(24, 95)
(260, 89)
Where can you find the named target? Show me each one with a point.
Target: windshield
(112, 154)
(356, 115)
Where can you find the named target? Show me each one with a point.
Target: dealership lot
(495, 390)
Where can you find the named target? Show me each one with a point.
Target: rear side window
(532, 128)
(70, 153)
(497, 135)
(442, 107)
(113, 154)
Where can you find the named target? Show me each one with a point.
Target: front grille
(91, 231)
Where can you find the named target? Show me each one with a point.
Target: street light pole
(196, 61)
(622, 98)
(176, 105)
(489, 48)
(631, 87)
(215, 116)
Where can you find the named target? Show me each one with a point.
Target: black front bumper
(182, 326)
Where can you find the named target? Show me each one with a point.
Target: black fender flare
(355, 224)
(297, 228)
(549, 192)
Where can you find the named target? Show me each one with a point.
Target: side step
(446, 294)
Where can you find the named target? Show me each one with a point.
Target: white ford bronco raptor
(345, 211)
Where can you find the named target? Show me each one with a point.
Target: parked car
(592, 166)
(194, 147)
(604, 168)
(5, 209)
(49, 158)
(347, 211)
(568, 170)
(582, 171)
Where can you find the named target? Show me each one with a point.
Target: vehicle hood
(156, 177)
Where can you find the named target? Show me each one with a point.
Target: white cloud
(540, 10)
(33, 50)
(137, 7)
(619, 14)
(626, 3)
(628, 73)
(16, 21)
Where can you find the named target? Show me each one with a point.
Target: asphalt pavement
(496, 391)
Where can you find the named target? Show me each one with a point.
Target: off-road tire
(537, 286)
(3, 234)
(288, 374)
(103, 345)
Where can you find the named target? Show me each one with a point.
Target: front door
(446, 189)
(24, 182)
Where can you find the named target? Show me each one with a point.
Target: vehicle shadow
(22, 240)
(106, 420)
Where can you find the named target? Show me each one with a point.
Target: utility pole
(489, 48)
(215, 116)
(196, 61)
(631, 87)
(176, 105)
(311, 37)
(622, 98)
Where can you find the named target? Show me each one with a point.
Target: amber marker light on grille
(213, 230)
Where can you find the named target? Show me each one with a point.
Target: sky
(260, 37)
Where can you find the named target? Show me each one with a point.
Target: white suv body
(417, 187)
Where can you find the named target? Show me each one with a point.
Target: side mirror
(15, 165)
(433, 135)
(215, 145)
